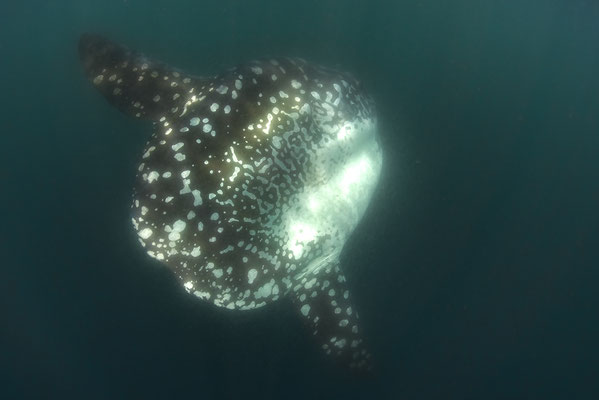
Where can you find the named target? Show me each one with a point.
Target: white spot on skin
(177, 146)
(214, 216)
(266, 290)
(194, 121)
(234, 175)
(237, 84)
(188, 285)
(145, 233)
(179, 226)
(252, 274)
(152, 176)
(214, 107)
(227, 109)
(202, 295)
(257, 70)
(179, 156)
(186, 188)
(207, 128)
(310, 283)
(218, 273)
(227, 249)
(305, 309)
(197, 198)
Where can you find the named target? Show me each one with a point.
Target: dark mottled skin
(249, 178)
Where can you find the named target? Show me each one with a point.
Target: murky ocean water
(474, 269)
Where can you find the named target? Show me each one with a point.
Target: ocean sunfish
(252, 180)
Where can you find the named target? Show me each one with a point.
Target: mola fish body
(252, 180)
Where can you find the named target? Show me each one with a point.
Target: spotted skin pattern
(252, 180)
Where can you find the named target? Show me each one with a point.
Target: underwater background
(475, 269)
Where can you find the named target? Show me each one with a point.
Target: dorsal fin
(131, 82)
(322, 297)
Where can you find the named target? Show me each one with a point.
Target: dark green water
(475, 269)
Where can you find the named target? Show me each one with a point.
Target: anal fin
(131, 82)
(322, 298)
